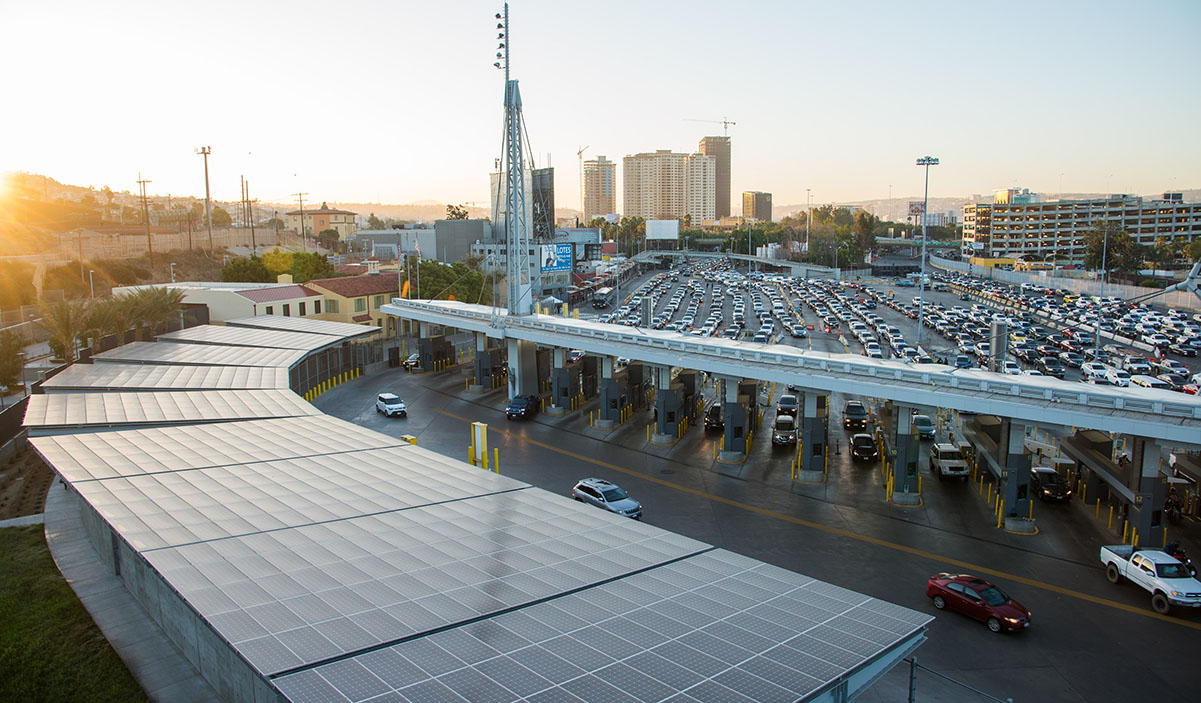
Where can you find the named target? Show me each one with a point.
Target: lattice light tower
(517, 231)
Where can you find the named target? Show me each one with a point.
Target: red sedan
(978, 599)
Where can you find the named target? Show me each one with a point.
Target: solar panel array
(73, 411)
(250, 337)
(144, 377)
(303, 324)
(343, 564)
(200, 354)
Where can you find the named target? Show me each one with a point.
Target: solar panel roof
(246, 337)
(303, 324)
(58, 411)
(199, 354)
(143, 377)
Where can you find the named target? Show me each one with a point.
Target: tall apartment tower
(664, 185)
(756, 205)
(719, 148)
(600, 188)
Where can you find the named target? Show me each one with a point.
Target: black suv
(854, 416)
(787, 405)
(522, 407)
(863, 448)
(1052, 366)
(713, 419)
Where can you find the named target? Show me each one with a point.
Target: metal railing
(914, 666)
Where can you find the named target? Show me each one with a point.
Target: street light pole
(92, 283)
(926, 161)
(173, 272)
(208, 207)
(1104, 275)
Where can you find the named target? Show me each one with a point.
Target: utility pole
(808, 217)
(303, 237)
(145, 215)
(926, 161)
(250, 210)
(208, 202)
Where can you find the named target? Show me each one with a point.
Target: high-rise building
(756, 205)
(540, 199)
(600, 188)
(719, 148)
(1018, 223)
(664, 185)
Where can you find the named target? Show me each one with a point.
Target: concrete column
(482, 363)
(814, 437)
(523, 374)
(904, 476)
(1015, 501)
(1146, 515)
(423, 330)
(613, 394)
(734, 416)
(667, 407)
(562, 390)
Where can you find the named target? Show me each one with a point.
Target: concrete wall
(230, 675)
(1177, 299)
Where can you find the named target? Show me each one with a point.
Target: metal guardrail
(914, 666)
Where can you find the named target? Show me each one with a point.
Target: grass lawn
(50, 650)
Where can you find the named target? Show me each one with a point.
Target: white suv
(1117, 377)
(391, 405)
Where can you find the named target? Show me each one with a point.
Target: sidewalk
(163, 673)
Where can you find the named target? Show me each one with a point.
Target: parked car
(854, 416)
(522, 407)
(412, 361)
(1052, 366)
(1047, 484)
(863, 448)
(713, 419)
(1163, 576)
(608, 496)
(391, 405)
(978, 599)
(574, 355)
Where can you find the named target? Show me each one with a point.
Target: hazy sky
(398, 101)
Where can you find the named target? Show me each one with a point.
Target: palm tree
(63, 321)
(152, 306)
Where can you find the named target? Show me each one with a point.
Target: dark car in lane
(854, 415)
(1052, 366)
(863, 448)
(978, 599)
(713, 419)
(1047, 484)
(522, 407)
(787, 405)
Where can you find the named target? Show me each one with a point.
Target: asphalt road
(1090, 641)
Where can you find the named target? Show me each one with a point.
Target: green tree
(246, 270)
(221, 218)
(456, 212)
(631, 231)
(374, 222)
(278, 261)
(12, 358)
(1110, 246)
(865, 231)
(274, 224)
(1194, 249)
(328, 239)
(307, 266)
(63, 321)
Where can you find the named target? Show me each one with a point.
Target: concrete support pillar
(668, 405)
(1146, 515)
(904, 475)
(483, 362)
(590, 377)
(613, 394)
(1015, 501)
(690, 390)
(734, 416)
(814, 436)
(523, 373)
(423, 330)
(564, 382)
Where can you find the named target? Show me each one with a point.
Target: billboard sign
(556, 257)
(663, 229)
(916, 207)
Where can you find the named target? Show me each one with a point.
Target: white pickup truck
(1163, 576)
(947, 461)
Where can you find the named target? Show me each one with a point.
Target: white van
(1149, 382)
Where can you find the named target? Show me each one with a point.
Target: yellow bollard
(1134, 536)
(1125, 525)
(1098, 511)
(471, 454)
(496, 459)
(648, 433)
(1109, 525)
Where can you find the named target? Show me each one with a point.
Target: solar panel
(199, 354)
(145, 378)
(244, 337)
(71, 411)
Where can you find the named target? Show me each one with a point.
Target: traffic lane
(896, 575)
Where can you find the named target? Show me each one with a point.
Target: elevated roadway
(797, 269)
(1044, 401)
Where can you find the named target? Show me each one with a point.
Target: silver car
(607, 495)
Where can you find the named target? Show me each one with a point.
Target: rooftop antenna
(517, 231)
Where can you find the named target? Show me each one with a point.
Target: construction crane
(725, 123)
(580, 155)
